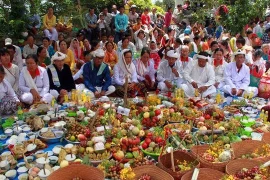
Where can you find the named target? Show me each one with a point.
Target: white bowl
(70, 158)
(56, 168)
(42, 175)
(56, 150)
(22, 170)
(30, 159)
(8, 132)
(41, 161)
(23, 176)
(6, 153)
(50, 153)
(53, 159)
(69, 146)
(2, 177)
(21, 164)
(26, 129)
(11, 174)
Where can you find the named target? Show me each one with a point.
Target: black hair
(213, 43)
(94, 43)
(91, 8)
(11, 47)
(178, 40)
(39, 50)
(2, 70)
(32, 56)
(30, 36)
(124, 38)
(186, 41)
(249, 31)
(3, 52)
(179, 5)
(108, 43)
(241, 40)
(258, 53)
(46, 39)
(145, 50)
(196, 37)
(129, 51)
(121, 7)
(62, 41)
(225, 44)
(169, 8)
(85, 53)
(218, 49)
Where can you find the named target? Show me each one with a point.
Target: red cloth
(184, 59)
(217, 62)
(168, 18)
(156, 58)
(145, 19)
(34, 73)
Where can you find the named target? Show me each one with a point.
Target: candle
(66, 98)
(196, 93)
(53, 102)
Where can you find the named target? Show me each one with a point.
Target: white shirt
(153, 17)
(12, 76)
(6, 90)
(219, 71)
(258, 29)
(133, 17)
(27, 50)
(119, 75)
(140, 43)
(17, 60)
(164, 72)
(237, 80)
(78, 73)
(42, 82)
(203, 76)
(150, 71)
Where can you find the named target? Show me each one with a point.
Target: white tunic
(42, 82)
(150, 71)
(12, 76)
(237, 80)
(119, 75)
(6, 90)
(164, 72)
(219, 71)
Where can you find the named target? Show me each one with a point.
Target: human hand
(35, 94)
(202, 89)
(194, 84)
(240, 92)
(97, 94)
(168, 84)
(234, 91)
(216, 84)
(102, 93)
(175, 72)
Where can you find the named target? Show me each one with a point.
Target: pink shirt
(168, 18)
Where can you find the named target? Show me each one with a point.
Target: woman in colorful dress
(146, 70)
(34, 82)
(110, 57)
(11, 70)
(257, 68)
(125, 68)
(49, 23)
(43, 59)
(8, 99)
(69, 60)
(77, 51)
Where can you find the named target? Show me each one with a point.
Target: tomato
(157, 112)
(207, 116)
(101, 112)
(149, 134)
(147, 141)
(144, 145)
(158, 139)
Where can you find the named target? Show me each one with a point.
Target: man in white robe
(168, 73)
(237, 77)
(199, 75)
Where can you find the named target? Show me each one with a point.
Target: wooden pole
(125, 92)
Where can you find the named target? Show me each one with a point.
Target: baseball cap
(8, 41)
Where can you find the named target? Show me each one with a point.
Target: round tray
(72, 142)
(51, 140)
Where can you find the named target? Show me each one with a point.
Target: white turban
(173, 54)
(58, 56)
(99, 53)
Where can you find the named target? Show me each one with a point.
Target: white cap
(99, 53)
(133, 6)
(58, 56)
(173, 54)
(8, 41)
(239, 52)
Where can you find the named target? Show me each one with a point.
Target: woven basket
(248, 147)
(266, 138)
(77, 170)
(197, 151)
(237, 165)
(164, 162)
(205, 174)
(153, 171)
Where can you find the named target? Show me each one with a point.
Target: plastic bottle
(20, 113)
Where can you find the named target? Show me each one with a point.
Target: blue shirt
(92, 80)
(34, 21)
(91, 19)
(121, 22)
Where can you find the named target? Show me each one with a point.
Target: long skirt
(8, 105)
(138, 90)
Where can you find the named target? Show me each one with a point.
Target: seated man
(60, 77)
(199, 75)
(237, 77)
(97, 77)
(168, 73)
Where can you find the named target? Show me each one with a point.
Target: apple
(157, 112)
(146, 115)
(124, 141)
(207, 116)
(201, 119)
(101, 112)
(89, 150)
(147, 141)
(145, 108)
(81, 137)
(87, 133)
(119, 155)
(171, 110)
(144, 145)
(141, 133)
(135, 131)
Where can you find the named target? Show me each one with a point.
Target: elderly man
(200, 76)
(97, 77)
(168, 73)
(237, 77)
(60, 77)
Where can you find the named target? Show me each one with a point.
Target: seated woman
(257, 68)
(8, 99)
(43, 59)
(110, 57)
(34, 82)
(49, 23)
(11, 70)
(60, 76)
(46, 43)
(219, 65)
(145, 69)
(77, 51)
(69, 60)
(125, 68)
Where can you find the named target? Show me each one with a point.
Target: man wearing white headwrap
(199, 75)
(60, 76)
(125, 68)
(97, 77)
(237, 77)
(169, 72)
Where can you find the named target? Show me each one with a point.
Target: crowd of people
(147, 51)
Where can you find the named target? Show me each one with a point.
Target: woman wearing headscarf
(34, 82)
(257, 68)
(125, 68)
(77, 52)
(8, 99)
(145, 69)
(69, 60)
